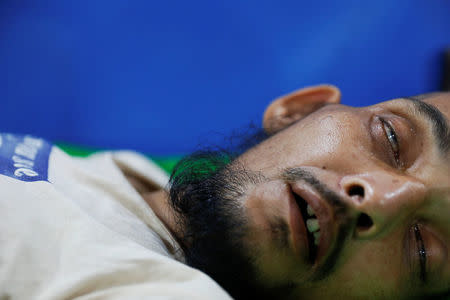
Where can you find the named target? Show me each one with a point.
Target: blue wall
(157, 76)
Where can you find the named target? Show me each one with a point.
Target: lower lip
(298, 230)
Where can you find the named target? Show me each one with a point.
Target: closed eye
(421, 250)
(391, 137)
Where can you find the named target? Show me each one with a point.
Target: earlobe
(289, 108)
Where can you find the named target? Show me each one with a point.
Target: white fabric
(87, 234)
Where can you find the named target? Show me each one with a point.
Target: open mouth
(323, 228)
(312, 225)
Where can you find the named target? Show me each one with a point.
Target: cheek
(266, 201)
(265, 205)
(331, 139)
(335, 139)
(371, 270)
(325, 138)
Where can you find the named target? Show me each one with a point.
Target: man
(331, 202)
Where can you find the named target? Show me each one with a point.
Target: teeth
(310, 211)
(312, 224)
(316, 237)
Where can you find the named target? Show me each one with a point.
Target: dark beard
(205, 189)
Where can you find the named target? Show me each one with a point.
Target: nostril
(355, 190)
(364, 222)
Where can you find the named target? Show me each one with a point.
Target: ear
(289, 108)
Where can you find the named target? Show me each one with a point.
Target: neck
(159, 203)
(158, 200)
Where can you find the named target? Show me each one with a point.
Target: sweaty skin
(388, 167)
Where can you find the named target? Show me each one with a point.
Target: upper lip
(324, 215)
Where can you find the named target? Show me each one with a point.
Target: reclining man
(328, 202)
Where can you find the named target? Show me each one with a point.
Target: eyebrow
(441, 127)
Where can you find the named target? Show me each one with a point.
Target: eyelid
(413, 137)
(416, 269)
(436, 252)
(409, 138)
(395, 146)
(422, 252)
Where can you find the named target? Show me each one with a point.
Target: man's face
(377, 183)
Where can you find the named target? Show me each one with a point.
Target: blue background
(160, 76)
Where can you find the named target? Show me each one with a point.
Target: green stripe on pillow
(166, 163)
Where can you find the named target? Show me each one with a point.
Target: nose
(381, 200)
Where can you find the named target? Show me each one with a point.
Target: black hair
(204, 187)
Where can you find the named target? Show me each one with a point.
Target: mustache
(341, 212)
(331, 197)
